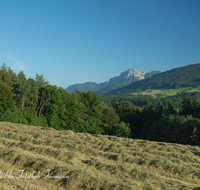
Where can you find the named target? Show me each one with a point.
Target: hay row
(97, 161)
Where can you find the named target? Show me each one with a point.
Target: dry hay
(93, 161)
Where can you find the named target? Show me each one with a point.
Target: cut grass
(93, 161)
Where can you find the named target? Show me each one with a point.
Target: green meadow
(165, 92)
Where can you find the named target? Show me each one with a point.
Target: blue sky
(77, 41)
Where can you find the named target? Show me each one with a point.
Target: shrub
(121, 130)
(14, 115)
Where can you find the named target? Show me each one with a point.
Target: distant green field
(166, 92)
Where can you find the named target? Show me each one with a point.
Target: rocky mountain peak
(128, 76)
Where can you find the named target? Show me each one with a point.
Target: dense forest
(36, 102)
(141, 101)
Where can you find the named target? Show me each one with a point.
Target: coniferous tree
(183, 110)
(157, 113)
(170, 109)
(189, 107)
(148, 116)
(196, 108)
(134, 121)
(161, 110)
(186, 108)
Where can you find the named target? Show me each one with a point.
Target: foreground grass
(86, 161)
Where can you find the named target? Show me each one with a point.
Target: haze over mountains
(125, 78)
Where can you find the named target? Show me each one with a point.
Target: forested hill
(188, 76)
(92, 86)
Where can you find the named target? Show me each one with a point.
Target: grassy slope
(94, 161)
(167, 92)
(188, 76)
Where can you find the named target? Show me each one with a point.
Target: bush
(106, 129)
(122, 130)
(33, 119)
(14, 115)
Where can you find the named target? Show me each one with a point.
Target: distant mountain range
(188, 76)
(124, 79)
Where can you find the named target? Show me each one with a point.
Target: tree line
(164, 123)
(141, 101)
(36, 102)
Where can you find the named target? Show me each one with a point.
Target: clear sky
(77, 41)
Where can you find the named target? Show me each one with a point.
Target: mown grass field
(166, 92)
(92, 161)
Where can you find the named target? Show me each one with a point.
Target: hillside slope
(92, 86)
(112, 87)
(188, 76)
(128, 76)
(85, 161)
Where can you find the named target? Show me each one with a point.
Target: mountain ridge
(128, 76)
(186, 76)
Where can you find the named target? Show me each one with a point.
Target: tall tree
(196, 107)
(125, 107)
(148, 116)
(94, 111)
(44, 98)
(6, 97)
(7, 75)
(34, 93)
(21, 76)
(186, 108)
(110, 116)
(170, 109)
(23, 92)
(41, 81)
(54, 109)
(160, 111)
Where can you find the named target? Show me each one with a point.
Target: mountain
(188, 76)
(125, 78)
(92, 86)
(112, 87)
